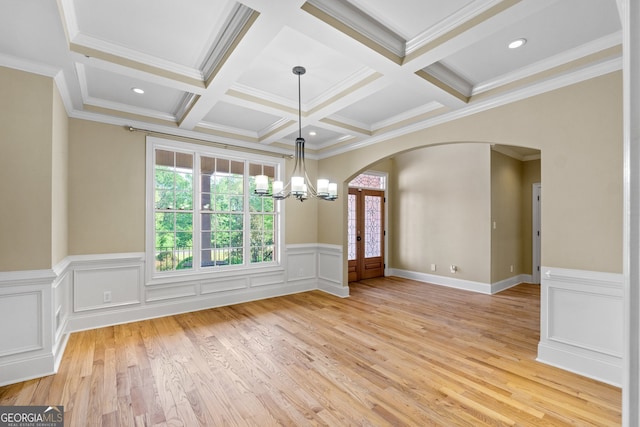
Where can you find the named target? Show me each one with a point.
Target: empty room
(321, 212)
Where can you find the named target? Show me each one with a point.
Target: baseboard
(450, 282)
(25, 369)
(510, 282)
(333, 288)
(589, 364)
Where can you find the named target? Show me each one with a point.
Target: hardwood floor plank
(396, 352)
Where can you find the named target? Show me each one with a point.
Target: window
(372, 180)
(205, 215)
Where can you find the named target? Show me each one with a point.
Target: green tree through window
(173, 210)
(234, 226)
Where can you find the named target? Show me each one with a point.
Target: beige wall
(301, 218)
(107, 192)
(530, 176)
(25, 170)
(106, 189)
(506, 214)
(59, 181)
(579, 131)
(441, 210)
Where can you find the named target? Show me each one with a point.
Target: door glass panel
(372, 224)
(351, 227)
(364, 180)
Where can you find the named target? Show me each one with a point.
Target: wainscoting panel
(163, 293)
(225, 284)
(26, 341)
(581, 324)
(90, 288)
(330, 270)
(301, 262)
(25, 313)
(276, 279)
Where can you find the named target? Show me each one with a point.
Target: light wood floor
(396, 352)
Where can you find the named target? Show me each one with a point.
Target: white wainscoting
(27, 335)
(91, 291)
(330, 270)
(581, 324)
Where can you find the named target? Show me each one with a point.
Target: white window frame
(159, 277)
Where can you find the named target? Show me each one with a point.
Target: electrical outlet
(107, 296)
(433, 267)
(453, 268)
(511, 268)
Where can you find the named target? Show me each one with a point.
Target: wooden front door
(366, 234)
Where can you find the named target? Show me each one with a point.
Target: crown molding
(116, 106)
(229, 130)
(407, 115)
(99, 45)
(63, 90)
(338, 119)
(449, 24)
(273, 127)
(586, 49)
(126, 123)
(33, 67)
(451, 78)
(237, 18)
(362, 23)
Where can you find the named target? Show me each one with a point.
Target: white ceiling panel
(109, 89)
(408, 18)
(565, 25)
(31, 30)
(271, 72)
(321, 138)
(395, 100)
(177, 31)
(238, 117)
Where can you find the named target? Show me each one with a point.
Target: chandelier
(299, 186)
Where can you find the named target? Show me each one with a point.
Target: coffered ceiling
(221, 70)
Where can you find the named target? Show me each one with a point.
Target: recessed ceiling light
(313, 133)
(517, 43)
(137, 90)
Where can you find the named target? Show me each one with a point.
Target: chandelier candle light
(299, 186)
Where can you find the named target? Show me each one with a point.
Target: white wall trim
(466, 285)
(27, 347)
(581, 323)
(70, 297)
(450, 282)
(510, 282)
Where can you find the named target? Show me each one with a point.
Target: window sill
(190, 276)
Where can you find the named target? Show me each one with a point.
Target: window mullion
(246, 217)
(197, 244)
